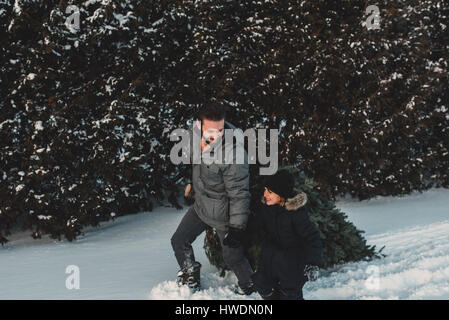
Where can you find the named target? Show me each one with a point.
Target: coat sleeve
(236, 181)
(189, 167)
(188, 176)
(310, 234)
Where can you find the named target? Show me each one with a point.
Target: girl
(290, 240)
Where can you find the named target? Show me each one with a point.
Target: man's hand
(189, 195)
(233, 238)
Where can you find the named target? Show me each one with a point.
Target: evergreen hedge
(85, 114)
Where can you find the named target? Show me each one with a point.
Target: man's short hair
(213, 111)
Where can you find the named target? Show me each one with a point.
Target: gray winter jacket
(222, 196)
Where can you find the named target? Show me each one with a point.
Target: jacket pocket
(220, 209)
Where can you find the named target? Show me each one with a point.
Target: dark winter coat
(221, 190)
(290, 241)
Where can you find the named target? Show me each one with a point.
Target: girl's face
(271, 198)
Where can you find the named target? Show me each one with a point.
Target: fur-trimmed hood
(296, 202)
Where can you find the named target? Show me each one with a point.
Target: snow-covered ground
(131, 258)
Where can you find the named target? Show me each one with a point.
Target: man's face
(211, 130)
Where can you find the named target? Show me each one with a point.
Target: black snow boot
(190, 276)
(245, 289)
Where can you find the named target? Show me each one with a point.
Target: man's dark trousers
(189, 229)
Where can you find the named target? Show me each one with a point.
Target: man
(222, 201)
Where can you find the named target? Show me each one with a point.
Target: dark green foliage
(85, 115)
(212, 248)
(342, 241)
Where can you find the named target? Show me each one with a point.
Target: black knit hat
(282, 183)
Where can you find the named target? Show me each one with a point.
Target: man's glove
(311, 272)
(189, 195)
(233, 238)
